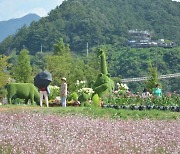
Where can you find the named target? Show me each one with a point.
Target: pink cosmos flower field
(27, 132)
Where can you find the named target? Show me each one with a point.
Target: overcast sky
(18, 8)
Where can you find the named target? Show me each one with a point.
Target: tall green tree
(60, 47)
(4, 75)
(71, 67)
(153, 77)
(22, 72)
(65, 64)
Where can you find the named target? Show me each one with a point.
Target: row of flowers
(173, 100)
(142, 107)
(120, 97)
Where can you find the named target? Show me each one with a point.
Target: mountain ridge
(10, 26)
(99, 22)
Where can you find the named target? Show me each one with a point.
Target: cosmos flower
(31, 132)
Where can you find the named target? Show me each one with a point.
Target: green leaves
(153, 78)
(4, 76)
(98, 22)
(60, 48)
(22, 72)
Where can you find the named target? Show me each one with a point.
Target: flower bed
(141, 107)
(132, 101)
(30, 132)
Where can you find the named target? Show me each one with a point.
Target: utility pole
(87, 49)
(41, 48)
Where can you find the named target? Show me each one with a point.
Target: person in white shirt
(145, 93)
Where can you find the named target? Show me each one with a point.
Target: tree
(23, 70)
(65, 64)
(98, 22)
(153, 78)
(4, 75)
(71, 67)
(60, 47)
(3, 71)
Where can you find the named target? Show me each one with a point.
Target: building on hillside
(139, 35)
(139, 38)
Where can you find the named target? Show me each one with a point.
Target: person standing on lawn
(145, 93)
(63, 92)
(157, 91)
(44, 93)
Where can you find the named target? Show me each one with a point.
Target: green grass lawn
(96, 112)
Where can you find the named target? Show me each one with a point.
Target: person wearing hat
(63, 92)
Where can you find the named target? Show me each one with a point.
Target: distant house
(139, 35)
(139, 38)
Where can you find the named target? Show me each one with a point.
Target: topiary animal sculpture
(83, 99)
(102, 55)
(24, 91)
(103, 84)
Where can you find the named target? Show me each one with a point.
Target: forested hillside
(101, 23)
(132, 63)
(98, 22)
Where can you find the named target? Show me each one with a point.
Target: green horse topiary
(104, 84)
(24, 91)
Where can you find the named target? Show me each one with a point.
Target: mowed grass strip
(95, 112)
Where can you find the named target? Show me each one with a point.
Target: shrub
(74, 96)
(88, 91)
(84, 97)
(122, 89)
(54, 92)
(3, 92)
(85, 94)
(96, 100)
(80, 85)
